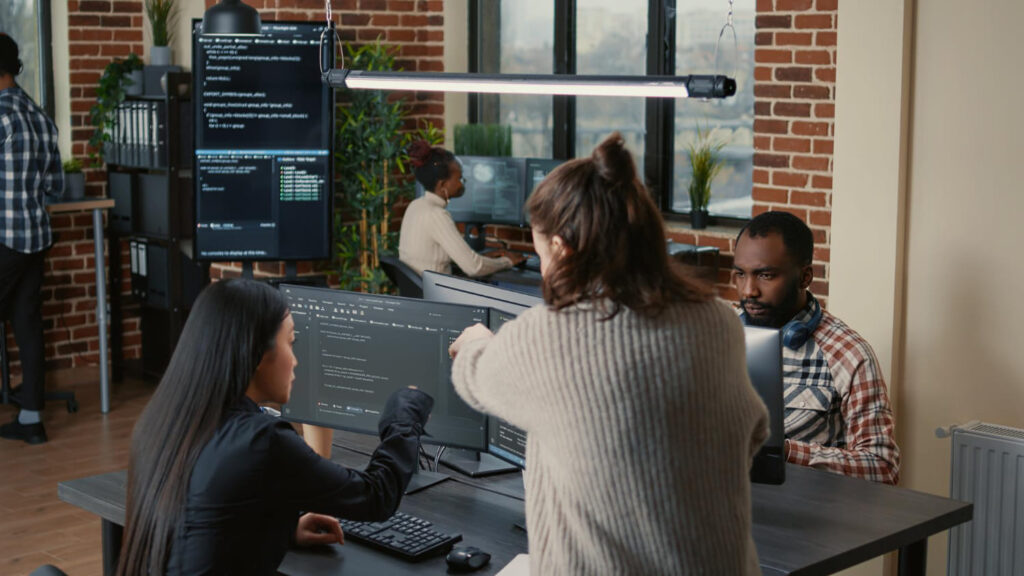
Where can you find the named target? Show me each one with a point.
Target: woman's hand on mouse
(314, 529)
(474, 332)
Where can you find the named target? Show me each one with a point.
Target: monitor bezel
(764, 347)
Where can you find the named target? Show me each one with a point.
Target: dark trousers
(21, 302)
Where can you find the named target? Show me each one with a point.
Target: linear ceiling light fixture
(231, 18)
(694, 86)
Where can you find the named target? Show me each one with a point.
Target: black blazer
(256, 476)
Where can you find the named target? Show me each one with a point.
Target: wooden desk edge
(80, 205)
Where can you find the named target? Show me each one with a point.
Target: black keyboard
(402, 535)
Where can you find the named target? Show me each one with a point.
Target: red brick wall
(794, 127)
(100, 30)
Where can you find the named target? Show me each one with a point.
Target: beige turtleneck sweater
(430, 241)
(641, 434)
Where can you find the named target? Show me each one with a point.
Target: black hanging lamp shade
(231, 18)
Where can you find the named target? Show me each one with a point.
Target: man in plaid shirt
(838, 416)
(30, 169)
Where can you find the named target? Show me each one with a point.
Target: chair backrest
(408, 281)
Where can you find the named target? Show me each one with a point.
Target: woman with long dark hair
(632, 386)
(215, 486)
(429, 239)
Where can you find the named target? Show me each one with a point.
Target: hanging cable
(735, 45)
(329, 28)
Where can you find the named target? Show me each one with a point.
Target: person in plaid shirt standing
(838, 416)
(30, 169)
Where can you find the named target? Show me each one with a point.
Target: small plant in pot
(110, 93)
(162, 15)
(74, 180)
(705, 164)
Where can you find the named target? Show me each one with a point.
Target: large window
(612, 40)
(28, 23)
(613, 37)
(698, 26)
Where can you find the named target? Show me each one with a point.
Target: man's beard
(775, 316)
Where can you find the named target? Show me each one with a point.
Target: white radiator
(988, 470)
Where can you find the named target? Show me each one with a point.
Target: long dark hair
(431, 164)
(232, 325)
(615, 236)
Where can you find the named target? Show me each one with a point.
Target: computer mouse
(467, 559)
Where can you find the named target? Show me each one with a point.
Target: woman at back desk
(429, 239)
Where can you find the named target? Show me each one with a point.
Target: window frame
(659, 117)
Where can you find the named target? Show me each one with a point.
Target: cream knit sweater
(640, 438)
(430, 241)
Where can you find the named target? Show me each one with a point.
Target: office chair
(8, 395)
(408, 281)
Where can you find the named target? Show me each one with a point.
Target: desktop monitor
(764, 364)
(264, 139)
(355, 349)
(455, 290)
(494, 191)
(504, 440)
(537, 169)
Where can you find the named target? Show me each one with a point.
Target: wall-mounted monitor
(264, 133)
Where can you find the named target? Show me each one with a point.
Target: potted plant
(705, 164)
(371, 164)
(483, 139)
(110, 93)
(74, 179)
(162, 15)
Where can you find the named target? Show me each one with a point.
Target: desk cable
(453, 478)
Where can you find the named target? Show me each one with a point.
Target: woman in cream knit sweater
(631, 384)
(429, 239)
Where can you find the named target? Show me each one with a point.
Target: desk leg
(101, 307)
(913, 558)
(112, 536)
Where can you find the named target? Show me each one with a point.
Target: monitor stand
(423, 479)
(476, 464)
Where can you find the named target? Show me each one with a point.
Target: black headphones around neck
(796, 333)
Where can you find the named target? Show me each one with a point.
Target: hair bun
(613, 161)
(419, 153)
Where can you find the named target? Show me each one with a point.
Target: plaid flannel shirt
(838, 416)
(30, 169)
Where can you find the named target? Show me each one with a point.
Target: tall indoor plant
(705, 164)
(162, 15)
(110, 93)
(371, 164)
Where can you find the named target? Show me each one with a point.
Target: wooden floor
(35, 527)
